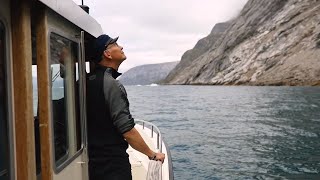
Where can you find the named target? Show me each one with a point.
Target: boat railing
(154, 130)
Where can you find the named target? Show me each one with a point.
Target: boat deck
(138, 170)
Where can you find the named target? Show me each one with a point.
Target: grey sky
(159, 30)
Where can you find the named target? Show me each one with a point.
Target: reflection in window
(4, 149)
(65, 100)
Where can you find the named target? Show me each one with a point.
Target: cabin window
(36, 112)
(35, 100)
(4, 149)
(87, 67)
(64, 55)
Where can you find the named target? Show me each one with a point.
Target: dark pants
(115, 168)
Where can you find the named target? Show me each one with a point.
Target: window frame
(65, 160)
(9, 95)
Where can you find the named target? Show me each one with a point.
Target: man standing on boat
(110, 124)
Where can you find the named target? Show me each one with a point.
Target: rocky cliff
(147, 74)
(271, 42)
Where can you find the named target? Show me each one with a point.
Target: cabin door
(60, 72)
(68, 110)
(62, 144)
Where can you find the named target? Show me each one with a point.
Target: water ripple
(217, 132)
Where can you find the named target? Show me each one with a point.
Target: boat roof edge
(75, 14)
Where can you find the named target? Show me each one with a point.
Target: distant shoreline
(312, 84)
(238, 85)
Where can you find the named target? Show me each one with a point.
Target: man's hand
(160, 157)
(136, 141)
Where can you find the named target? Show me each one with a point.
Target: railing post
(152, 131)
(157, 140)
(157, 131)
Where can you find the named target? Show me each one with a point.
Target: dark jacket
(108, 115)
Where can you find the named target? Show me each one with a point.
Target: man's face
(116, 53)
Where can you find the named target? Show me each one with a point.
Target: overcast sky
(155, 31)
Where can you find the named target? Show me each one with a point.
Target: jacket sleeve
(118, 104)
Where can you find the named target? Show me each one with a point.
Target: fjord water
(227, 132)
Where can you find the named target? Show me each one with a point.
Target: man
(110, 124)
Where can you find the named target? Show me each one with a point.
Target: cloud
(160, 30)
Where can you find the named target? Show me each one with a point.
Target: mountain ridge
(270, 43)
(147, 74)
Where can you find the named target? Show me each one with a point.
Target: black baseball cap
(101, 44)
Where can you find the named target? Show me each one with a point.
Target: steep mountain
(271, 42)
(202, 46)
(147, 74)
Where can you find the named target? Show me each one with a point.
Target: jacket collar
(114, 73)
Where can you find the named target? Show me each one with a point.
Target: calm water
(217, 132)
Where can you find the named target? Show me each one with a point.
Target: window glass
(35, 100)
(65, 97)
(4, 149)
(87, 67)
(36, 116)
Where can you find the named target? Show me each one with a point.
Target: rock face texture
(271, 42)
(147, 74)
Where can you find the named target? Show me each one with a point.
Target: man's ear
(107, 54)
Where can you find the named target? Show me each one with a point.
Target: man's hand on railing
(160, 157)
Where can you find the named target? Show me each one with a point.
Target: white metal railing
(154, 129)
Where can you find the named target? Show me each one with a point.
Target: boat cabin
(44, 58)
(42, 77)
